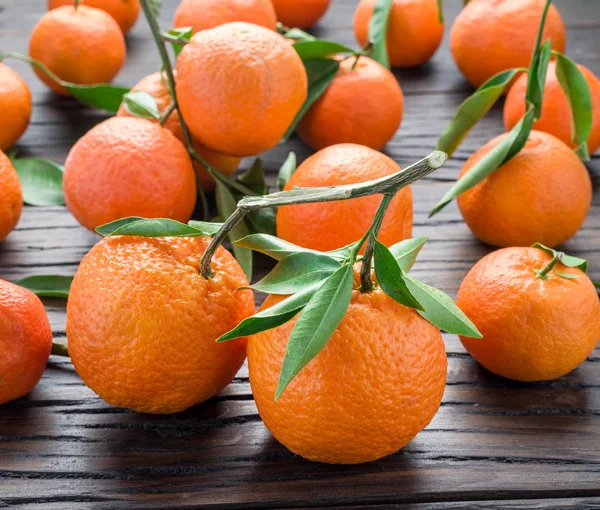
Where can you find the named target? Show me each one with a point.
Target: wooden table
(493, 444)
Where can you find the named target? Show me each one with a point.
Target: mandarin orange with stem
(11, 197)
(124, 12)
(155, 85)
(363, 104)
(239, 87)
(15, 105)
(332, 225)
(542, 194)
(25, 341)
(127, 166)
(82, 46)
(414, 30)
(534, 328)
(556, 117)
(491, 36)
(300, 13)
(375, 385)
(205, 14)
(142, 322)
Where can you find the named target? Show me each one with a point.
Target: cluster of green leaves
(564, 259)
(319, 288)
(477, 105)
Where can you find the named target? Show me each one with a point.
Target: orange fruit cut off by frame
(11, 197)
(15, 105)
(124, 12)
(300, 13)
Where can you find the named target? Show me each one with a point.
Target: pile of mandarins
(142, 321)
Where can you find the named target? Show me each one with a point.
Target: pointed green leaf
(596, 284)
(47, 285)
(210, 228)
(318, 48)
(378, 31)
(141, 104)
(275, 247)
(262, 221)
(299, 35)
(441, 10)
(508, 147)
(226, 205)
(286, 171)
(566, 275)
(320, 74)
(536, 80)
(473, 109)
(578, 94)
(150, 227)
(390, 277)
(273, 316)
(104, 97)
(440, 310)
(254, 178)
(41, 181)
(297, 271)
(405, 252)
(566, 260)
(316, 324)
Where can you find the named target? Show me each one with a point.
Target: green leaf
(320, 74)
(102, 96)
(473, 109)
(141, 104)
(316, 324)
(566, 275)
(596, 284)
(273, 316)
(297, 271)
(41, 181)
(508, 147)
(537, 78)
(441, 10)
(210, 228)
(566, 260)
(47, 285)
(318, 49)
(262, 221)
(578, 94)
(299, 35)
(390, 277)
(254, 178)
(175, 35)
(275, 247)
(440, 310)
(405, 252)
(151, 227)
(378, 31)
(226, 205)
(286, 171)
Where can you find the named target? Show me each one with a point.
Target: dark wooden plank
(494, 444)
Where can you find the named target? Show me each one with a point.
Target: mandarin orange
(11, 197)
(15, 105)
(124, 12)
(300, 13)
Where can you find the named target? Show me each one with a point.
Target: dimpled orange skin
(332, 225)
(248, 81)
(124, 12)
(556, 116)
(15, 105)
(205, 14)
(142, 322)
(414, 30)
(337, 116)
(377, 383)
(543, 194)
(126, 166)
(25, 341)
(227, 165)
(490, 36)
(300, 13)
(11, 197)
(83, 46)
(533, 329)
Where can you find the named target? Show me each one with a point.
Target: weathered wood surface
(494, 443)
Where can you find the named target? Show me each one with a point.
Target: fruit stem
(543, 273)
(388, 185)
(167, 113)
(366, 284)
(59, 349)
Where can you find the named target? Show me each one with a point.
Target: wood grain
(494, 443)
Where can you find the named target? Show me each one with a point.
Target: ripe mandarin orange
(124, 12)
(556, 114)
(541, 195)
(142, 322)
(83, 46)
(377, 383)
(126, 166)
(533, 329)
(154, 85)
(239, 87)
(204, 14)
(414, 30)
(25, 341)
(332, 225)
(338, 117)
(490, 36)
(300, 13)
(11, 197)
(15, 105)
